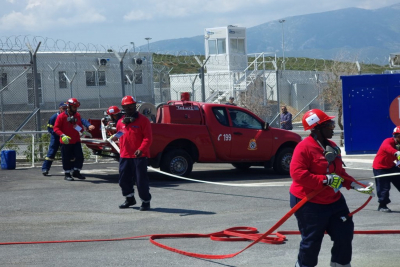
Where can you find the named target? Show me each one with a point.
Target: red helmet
(113, 110)
(314, 117)
(73, 102)
(396, 130)
(127, 100)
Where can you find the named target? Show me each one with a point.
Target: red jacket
(137, 135)
(385, 157)
(308, 171)
(62, 126)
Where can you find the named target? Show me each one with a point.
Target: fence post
(36, 90)
(277, 96)
(121, 67)
(33, 150)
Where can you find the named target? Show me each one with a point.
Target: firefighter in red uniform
(110, 122)
(69, 126)
(388, 152)
(316, 163)
(135, 137)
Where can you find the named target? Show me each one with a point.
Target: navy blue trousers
(72, 157)
(131, 171)
(313, 220)
(51, 153)
(383, 184)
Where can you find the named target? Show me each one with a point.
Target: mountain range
(362, 34)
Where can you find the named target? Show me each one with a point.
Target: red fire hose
(241, 233)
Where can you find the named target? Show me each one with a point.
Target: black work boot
(45, 172)
(130, 201)
(384, 208)
(68, 177)
(145, 206)
(77, 174)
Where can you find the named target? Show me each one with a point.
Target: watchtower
(227, 49)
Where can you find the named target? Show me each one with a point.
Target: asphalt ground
(38, 208)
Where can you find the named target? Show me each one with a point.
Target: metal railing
(31, 144)
(32, 133)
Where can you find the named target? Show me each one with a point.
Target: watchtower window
(237, 45)
(217, 46)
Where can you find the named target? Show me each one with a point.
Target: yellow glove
(397, 154)
(335, 181)
(65, 139)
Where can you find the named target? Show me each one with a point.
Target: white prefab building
(229, 69)
(97, 80)
(227, 49)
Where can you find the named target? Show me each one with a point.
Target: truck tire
(177, 162)
(241, 166)
(282, 160)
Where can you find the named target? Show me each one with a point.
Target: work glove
(368, 189)
(65, 139)
(335, 181)
(86, 134)
(397, 154)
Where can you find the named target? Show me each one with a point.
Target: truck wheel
(241, 166)
(177, 162)
(282, 160)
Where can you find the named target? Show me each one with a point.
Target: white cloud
(36, 15)
(184, 8)
(32, 4)
(87, 19)
(137, 15)
(16, 19)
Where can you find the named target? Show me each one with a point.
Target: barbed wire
(13, 48)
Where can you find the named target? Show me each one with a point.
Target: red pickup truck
(185, 132)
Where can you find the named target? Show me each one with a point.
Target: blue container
(367, 112)
(8, 159)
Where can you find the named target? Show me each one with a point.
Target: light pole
(148, 45)
(133, 46)
(148, 67)
(283, 44)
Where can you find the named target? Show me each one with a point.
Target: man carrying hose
(316, 164)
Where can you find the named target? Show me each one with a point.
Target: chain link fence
(38, 73)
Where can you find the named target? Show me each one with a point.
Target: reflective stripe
(130, 195)
(47, 158)
(50, 126)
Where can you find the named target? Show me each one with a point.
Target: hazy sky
(120, 22)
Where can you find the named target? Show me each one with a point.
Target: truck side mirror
(266, 125)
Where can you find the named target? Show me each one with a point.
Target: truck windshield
(242, 119)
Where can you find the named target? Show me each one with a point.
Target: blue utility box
(8, 159)
(371, 110)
